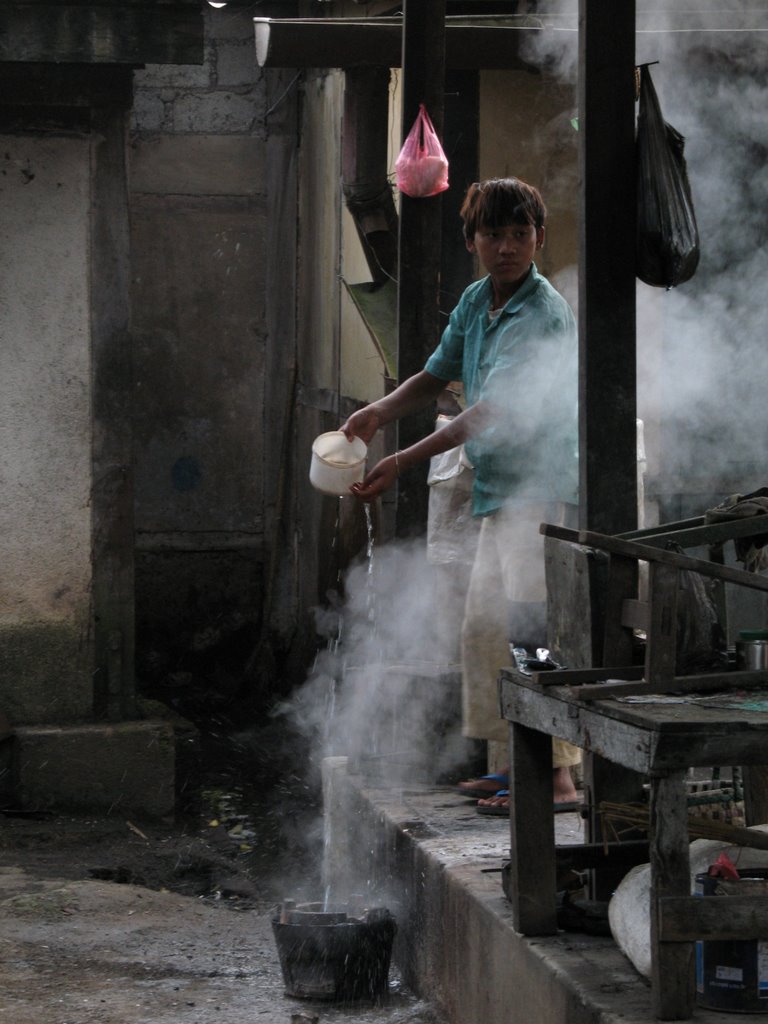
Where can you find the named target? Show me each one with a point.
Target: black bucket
(732, 975)
(326, 954)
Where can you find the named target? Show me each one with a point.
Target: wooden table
(658, 740)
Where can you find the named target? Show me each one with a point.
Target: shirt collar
(518, 300)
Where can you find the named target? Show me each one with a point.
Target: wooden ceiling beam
(338, 43)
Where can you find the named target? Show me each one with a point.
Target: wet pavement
(76, 952)
(109, 921)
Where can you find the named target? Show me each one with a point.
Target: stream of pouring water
(403, 1010)
(334, 646)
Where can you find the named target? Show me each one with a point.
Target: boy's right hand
(379, 479)
(363, 424)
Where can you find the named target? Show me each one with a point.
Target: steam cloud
(387, 684)
(700, 380)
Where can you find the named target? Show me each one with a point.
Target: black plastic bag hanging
(667, 251)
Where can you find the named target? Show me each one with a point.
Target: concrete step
(121, 767)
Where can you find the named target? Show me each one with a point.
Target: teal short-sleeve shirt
(523, 363)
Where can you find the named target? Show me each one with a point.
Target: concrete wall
(236, 295)
(199, 254)
(45, 432)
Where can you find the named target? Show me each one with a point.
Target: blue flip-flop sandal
(478, 792)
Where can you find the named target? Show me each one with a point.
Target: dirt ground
(116, 921)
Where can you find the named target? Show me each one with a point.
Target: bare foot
(564, 791)
(563, 787)
(500, 800)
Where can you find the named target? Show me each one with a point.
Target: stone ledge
(425, 854)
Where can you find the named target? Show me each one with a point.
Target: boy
(511, 340)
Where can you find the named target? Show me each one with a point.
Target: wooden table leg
(755, 794)
(672, 977)
(531, 879)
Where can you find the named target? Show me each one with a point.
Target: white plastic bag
(629, 913)
(451, 529)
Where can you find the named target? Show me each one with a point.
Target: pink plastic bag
(421, 168)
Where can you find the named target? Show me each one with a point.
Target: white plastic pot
(336, 463)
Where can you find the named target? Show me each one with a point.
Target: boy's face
(507, 252)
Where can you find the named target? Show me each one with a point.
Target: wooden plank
(644, 737)
(736, 714)
(643, 553)
(618, 741)
(672, 980)
(663, 529)
(755, 794)
(575, 579)
(574, 676)
(661, 640)
(531, 875)
(697, 532)
(377, 42)
(724, 918)
(621, 586)
(705, 749)
(710, 683)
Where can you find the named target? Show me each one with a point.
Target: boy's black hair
(496, 202)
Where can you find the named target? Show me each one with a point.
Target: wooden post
(607, 374)
(671, 962)
(755, 794)
(419, 245)
(607, 386)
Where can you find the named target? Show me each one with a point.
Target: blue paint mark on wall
(185, 473)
